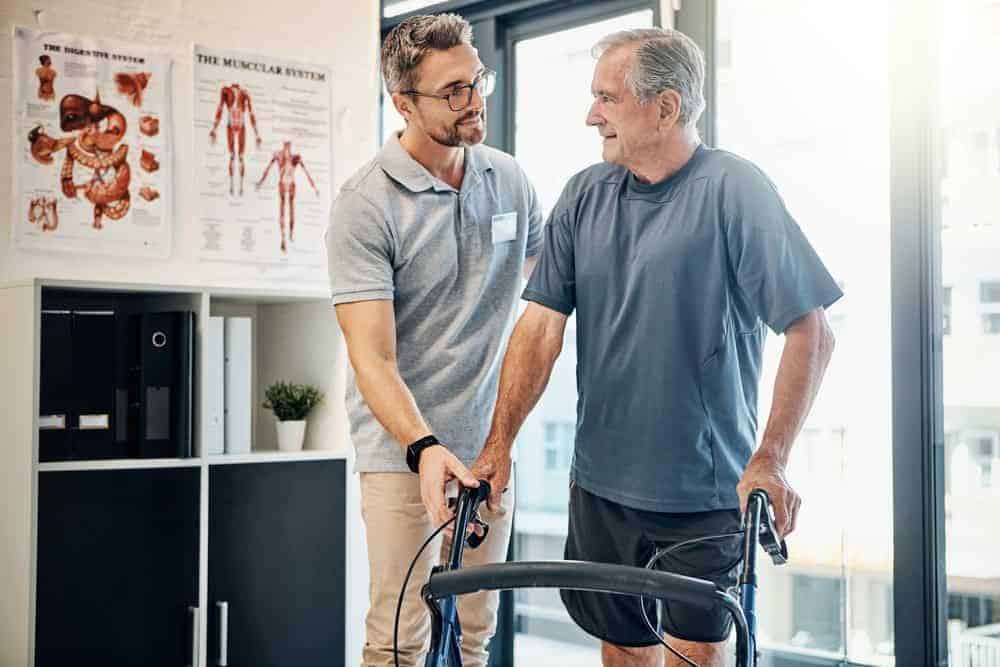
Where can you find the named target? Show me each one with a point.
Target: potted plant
(291, 404)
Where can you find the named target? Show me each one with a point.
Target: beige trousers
(397, 524)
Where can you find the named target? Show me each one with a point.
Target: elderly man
(427, 244)
(674, 257)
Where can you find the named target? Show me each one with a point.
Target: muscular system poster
(262, 138)
(91, 146)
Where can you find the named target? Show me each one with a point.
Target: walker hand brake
(474, 539)
(769, 540)
(476, 496)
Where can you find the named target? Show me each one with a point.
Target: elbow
(368, 362)
(814, 335)
(552, 347)
(550, 340)
(539, 335)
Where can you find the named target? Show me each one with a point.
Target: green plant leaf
(290, 401)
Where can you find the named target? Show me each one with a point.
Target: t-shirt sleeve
(553, 282)
(534, 244)
(774, 265)
(359, 251)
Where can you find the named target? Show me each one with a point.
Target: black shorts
(605, 532)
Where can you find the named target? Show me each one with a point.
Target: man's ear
(669, 102)
(403, 104)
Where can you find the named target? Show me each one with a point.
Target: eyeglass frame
(477, 83)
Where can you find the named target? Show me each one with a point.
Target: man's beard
(452, 136)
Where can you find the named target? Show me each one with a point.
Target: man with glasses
(426, 245)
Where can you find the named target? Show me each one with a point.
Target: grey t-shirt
(672, 283)
(451, 262)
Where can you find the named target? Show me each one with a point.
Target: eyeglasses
(461, 96)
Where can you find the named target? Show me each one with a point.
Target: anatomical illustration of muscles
(132, 85)
(149, 125)
(259, 221)
(287, 162)
(236, 101)
(44, 211)
(96, 145)
(46, 79)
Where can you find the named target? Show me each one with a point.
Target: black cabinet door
(276, 558)
(117, 567)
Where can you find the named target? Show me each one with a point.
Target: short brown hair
(406, 45)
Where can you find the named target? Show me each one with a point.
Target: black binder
(76, 398)
(161, 384)
(117, 381)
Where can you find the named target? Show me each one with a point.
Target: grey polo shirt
(672, 284)
(451, 262)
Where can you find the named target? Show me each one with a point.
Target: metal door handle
(195, 631)
(223, 633)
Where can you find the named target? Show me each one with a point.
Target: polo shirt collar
(412, 175)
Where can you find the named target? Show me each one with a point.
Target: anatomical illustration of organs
(149, 125)
(96, 146)
(132, 85)
(44, 212)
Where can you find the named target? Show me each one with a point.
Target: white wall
(342, 34)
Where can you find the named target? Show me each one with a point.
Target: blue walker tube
(748, 578)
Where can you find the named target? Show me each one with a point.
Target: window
(392, 8)
(980, 149)
(782, 64)
(816, 615)
(996, 148)
(985, 458)
(989, 292)
(946, 311)
(558, 445)
(969, 33)
(559, 442)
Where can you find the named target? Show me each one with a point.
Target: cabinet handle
(223, 633)
(195, 631)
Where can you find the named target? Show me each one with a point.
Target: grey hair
(664, 59)
(406, 45)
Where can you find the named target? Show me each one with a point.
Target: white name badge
(504, 227)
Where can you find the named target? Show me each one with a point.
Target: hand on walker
(494, 467)
(438, 466)
(765, 472)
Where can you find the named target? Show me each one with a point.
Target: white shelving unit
(295, 338)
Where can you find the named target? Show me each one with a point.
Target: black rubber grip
(483, 491)
(574, 575)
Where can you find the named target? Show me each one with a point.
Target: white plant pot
(291, 435)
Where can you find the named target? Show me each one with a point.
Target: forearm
(527, 366)
(389, 399)
(808, 348)
(267, 170)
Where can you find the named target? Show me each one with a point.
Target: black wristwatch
(413, 451)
